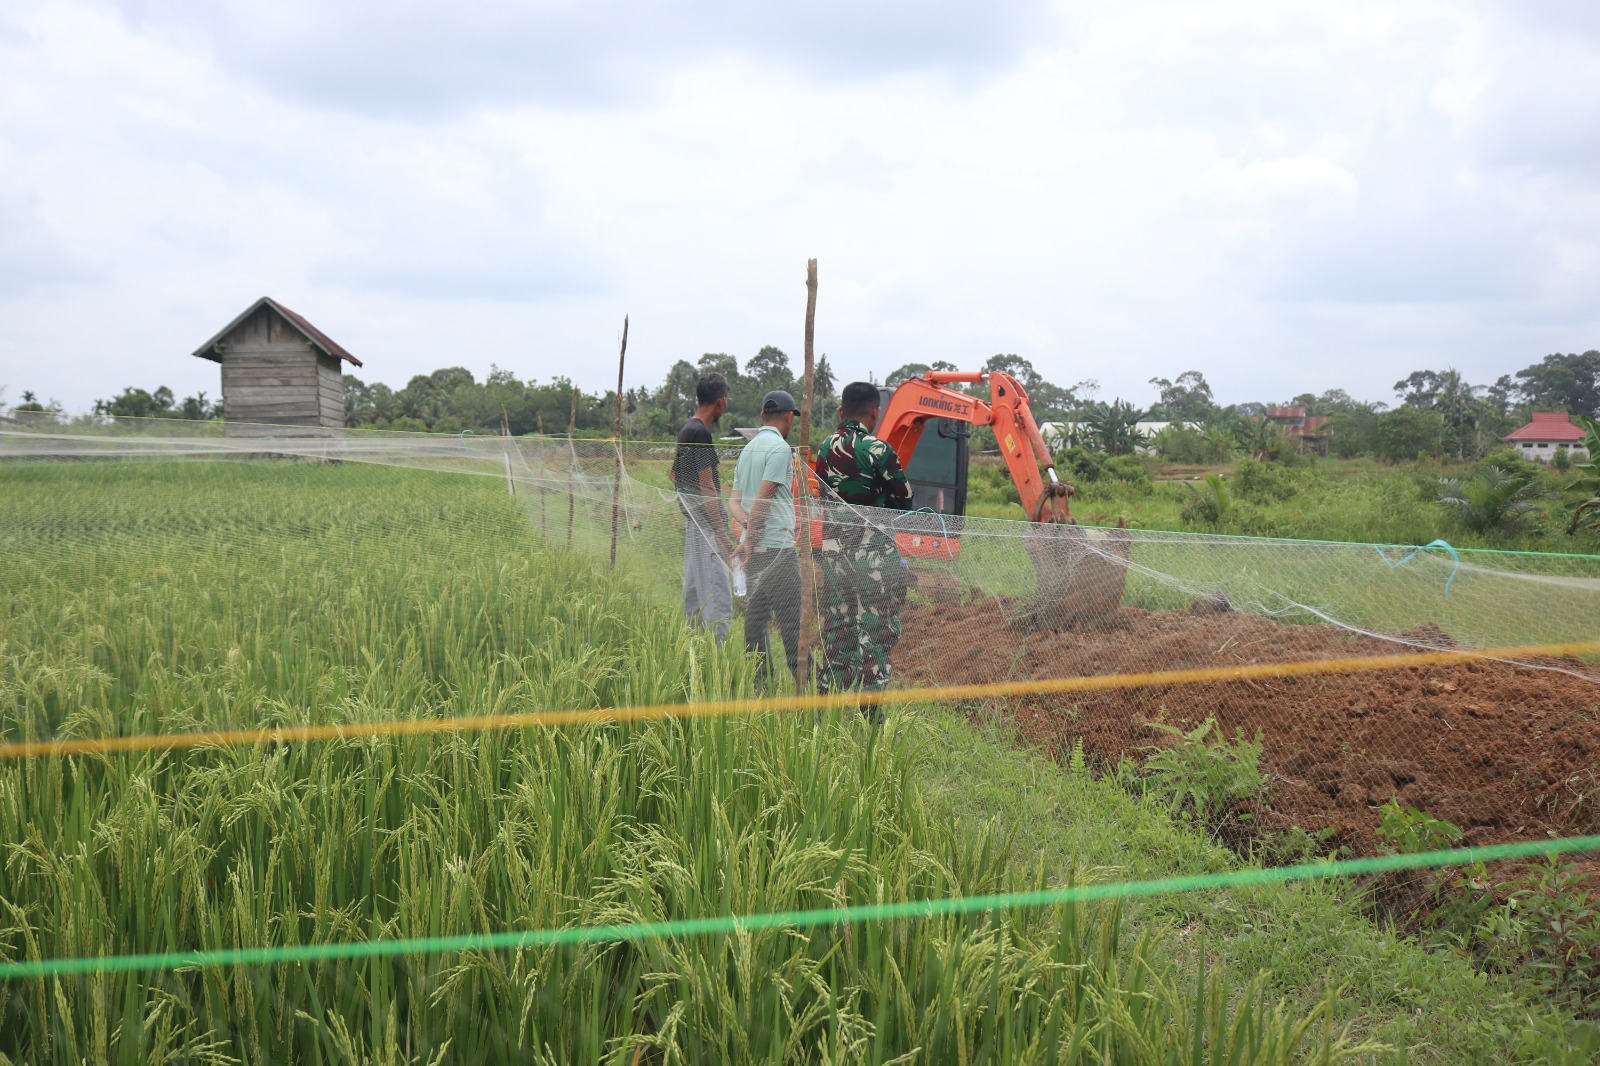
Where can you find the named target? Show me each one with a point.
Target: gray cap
(777, 401)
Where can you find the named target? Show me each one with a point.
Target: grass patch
(1310, 937)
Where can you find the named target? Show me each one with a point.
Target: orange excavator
(928, 426)
(1079, 576)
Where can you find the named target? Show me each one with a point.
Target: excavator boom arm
(918, 400)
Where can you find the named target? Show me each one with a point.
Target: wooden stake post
(616, 483)
(572, 450)
(543, 532)
(505, 431)
(808, 582)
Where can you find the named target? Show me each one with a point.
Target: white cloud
(409, 56)
(1286, 196)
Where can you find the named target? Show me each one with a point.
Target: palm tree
(1212, 504)
(1457, 401)
(1490, 499)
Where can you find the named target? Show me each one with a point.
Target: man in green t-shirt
(763, 503)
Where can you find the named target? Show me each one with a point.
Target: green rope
(733, 923)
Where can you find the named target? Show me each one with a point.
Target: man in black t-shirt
(707, 548)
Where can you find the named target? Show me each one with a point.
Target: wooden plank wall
(330, 390)
(271, 374)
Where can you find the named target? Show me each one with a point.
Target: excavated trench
(1506, 752)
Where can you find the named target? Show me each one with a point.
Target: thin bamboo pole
(505, 431)
(616, 482)
(808, 581)
(572, 451)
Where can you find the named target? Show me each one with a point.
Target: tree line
(450, 400)
(1435, 413)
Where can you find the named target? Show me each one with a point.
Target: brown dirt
(1506, 752)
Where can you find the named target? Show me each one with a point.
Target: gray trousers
(707, 599)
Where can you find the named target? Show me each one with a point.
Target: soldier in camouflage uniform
(864, 578)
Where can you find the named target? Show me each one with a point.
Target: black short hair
(710, 388)
(858, 398)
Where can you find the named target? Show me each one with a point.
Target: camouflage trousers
(863, 589)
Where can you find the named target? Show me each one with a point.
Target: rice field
(153, 598)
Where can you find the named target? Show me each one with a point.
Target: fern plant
(1204, 776)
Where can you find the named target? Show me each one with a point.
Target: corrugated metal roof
(319, 340)
(1548, 425)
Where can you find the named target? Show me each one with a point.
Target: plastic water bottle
(738, 579)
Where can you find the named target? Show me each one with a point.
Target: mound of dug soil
(1505, 752)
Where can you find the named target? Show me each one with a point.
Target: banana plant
(1586, 513)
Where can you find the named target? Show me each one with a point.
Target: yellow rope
(719, 708)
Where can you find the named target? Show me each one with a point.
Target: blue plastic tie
(464, 442)
(1418, 551)
(944, 530)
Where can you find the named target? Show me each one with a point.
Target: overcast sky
(1284, 196)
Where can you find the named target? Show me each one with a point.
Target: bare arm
(758, 516)
(711, 500)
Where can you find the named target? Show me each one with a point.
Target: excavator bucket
(1080, 573)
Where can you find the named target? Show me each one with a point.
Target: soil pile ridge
(1506, 752)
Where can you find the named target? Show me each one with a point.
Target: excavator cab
(937, 468)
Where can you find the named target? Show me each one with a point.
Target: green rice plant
(149, 599)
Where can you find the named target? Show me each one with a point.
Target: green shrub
(1132, 470)
(1408, 831)
(1209, 505)
(1204, 777)
(1083, 464)
(1510, 460)
(1262, 482)
(1548, 928)
(1194, 444)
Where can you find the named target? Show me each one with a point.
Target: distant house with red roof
(1306, 428)
(1548, 431)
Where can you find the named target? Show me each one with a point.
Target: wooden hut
(281, 376)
